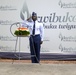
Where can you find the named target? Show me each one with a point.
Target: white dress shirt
(39, 29)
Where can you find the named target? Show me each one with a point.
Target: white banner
(57, 16)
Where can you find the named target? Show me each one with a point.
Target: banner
(57, 16)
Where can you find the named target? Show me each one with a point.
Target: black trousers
(35, 48)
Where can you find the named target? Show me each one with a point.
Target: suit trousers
(35, 48)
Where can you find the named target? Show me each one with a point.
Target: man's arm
(29, 19)
(42, 32)
(26, 23)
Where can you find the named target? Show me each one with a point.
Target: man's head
(34, 16)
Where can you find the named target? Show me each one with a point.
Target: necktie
(33, 32)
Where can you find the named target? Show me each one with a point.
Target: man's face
(34, 18)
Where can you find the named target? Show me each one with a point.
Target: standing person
(36, 37)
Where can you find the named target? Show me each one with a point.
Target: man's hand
(41, 42)
(29, 18)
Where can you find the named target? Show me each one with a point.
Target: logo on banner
(7, 38)
(6, 48)
(6, 7)
(67, 5)
(67, 49)
(24, 12)
(5, 22)
(67, 38)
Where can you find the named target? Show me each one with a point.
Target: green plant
(20, 32)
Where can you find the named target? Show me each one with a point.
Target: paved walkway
(36, 69)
